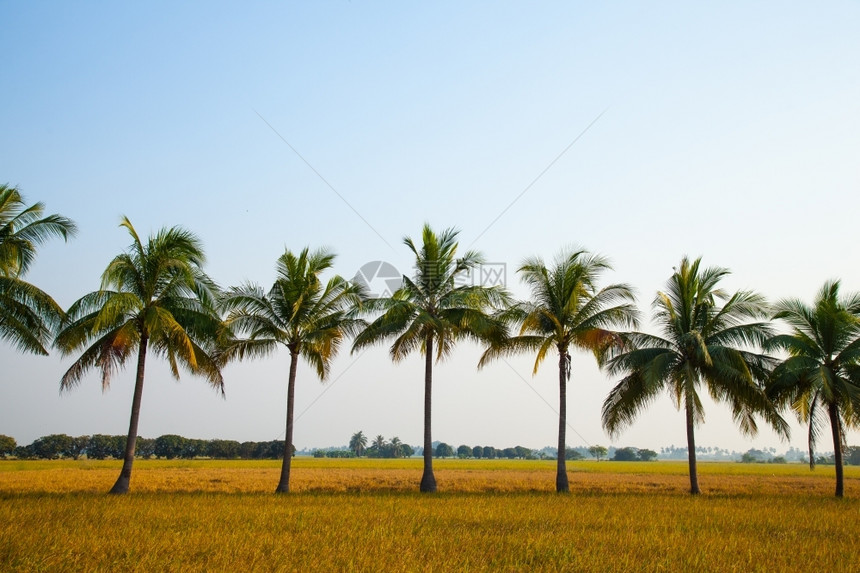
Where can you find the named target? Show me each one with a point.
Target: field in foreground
(363, 515)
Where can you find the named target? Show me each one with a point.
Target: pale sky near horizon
(727, 130)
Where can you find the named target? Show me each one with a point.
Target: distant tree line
(758, 456)
(444, 450)
(169, 446)
(378, 448)
(172, 446)
(753, 455)
(634, 455)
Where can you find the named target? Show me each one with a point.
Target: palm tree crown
(379, 442)
(820, 379)
(23, 228)
(432, 311)
(567, 310)
(153, 297)
(395, 444)
(309, 317)
(28, 316)
(701, 343)
(358, 443)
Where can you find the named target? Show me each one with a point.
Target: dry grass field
(365, 515)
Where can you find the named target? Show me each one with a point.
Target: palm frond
(396, 319)
(245, 348)
(107, 353)
(413, 337)
(28, 316)
(816, 420)
(511, 346)
(627, 399)
(24, 228)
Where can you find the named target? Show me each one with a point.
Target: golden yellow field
(364, 515)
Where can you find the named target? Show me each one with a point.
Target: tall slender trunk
(837, 447)
(122, 483)
(691, 447)
(561, 485)
(284, 483)
(428, 480)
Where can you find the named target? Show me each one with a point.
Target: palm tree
(153, 297)
(430, 312)
(358, 443)
(395, 445)
(820, 379)
(379, 443)
(702, 343)
(28, 316)
(300, 312)
(567, 311)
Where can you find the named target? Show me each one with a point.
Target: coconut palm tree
(430, 312)
(379, 443)
(820, 379)
(300, 312)
(154, 297)
(28, 316)
(358, 443)
(703, 343)
(395, 444)
(567, 311)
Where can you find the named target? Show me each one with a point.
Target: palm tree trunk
(124, 479)
(691, 448)
(428, 480)
(284, 483)
(837, 447)
(561, 484)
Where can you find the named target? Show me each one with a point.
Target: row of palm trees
(379, 446)
(156, 298)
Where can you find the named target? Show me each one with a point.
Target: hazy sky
(729, 130)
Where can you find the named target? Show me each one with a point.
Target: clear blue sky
(729, 130)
